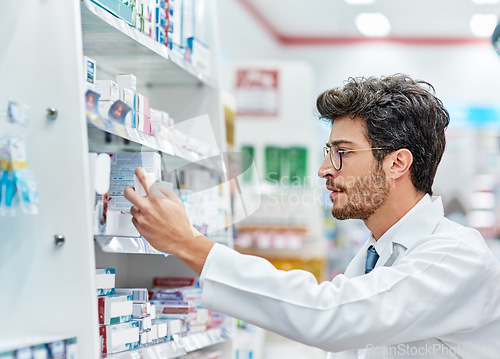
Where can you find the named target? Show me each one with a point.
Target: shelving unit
(130, 49)
(176, 348)
(51, 288)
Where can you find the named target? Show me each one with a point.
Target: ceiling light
(373, 24)
(485, 2)
(361, 2)
(483, 25)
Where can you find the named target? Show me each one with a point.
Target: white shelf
(120, 48)
(118, 244)
(24, 342)
(178, 347)
(48, 51)
(122, 244)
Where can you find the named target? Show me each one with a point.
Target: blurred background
(277, 56)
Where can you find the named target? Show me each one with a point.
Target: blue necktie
(371, 259)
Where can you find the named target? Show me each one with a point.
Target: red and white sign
(257, 92)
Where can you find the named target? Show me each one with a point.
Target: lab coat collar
(419, 222)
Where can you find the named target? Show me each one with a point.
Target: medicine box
(108, 90)
(138, 294)
(105, 281)
(119, 337)
(90, 72)
(114, 309)
(140, 310)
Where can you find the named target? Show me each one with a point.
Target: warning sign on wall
(257, 92)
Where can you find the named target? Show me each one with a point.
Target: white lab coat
(434, 293)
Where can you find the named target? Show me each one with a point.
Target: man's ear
(398, 163)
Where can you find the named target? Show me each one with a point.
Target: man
(421, 287)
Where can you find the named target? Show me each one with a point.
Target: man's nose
(327, 168)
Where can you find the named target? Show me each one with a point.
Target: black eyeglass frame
(327, 151)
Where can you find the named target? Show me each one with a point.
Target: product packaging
(26, 185)
(105, 281)
(108, 90)
(129, 81)
(7, 180)
(114, 309)
(89, 66)
(140, 310)
(167, 309)
(119, 337)
(123, 165)
(162, 328)
(144, 324)
(176, 326)
(138, 294)
(173, 282)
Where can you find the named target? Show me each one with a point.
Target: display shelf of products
(39, 347)
(201, 340)
(165, 321)
(58, 287)
(184, 155)
(178, 347)
(124, 244)
(112, 41)
(205, 198)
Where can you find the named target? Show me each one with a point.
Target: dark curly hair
(400, 113)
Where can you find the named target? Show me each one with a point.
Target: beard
(361, 197)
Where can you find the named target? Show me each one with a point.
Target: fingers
(136, 224)
(141, 176)
(163, 190)
(130, 194)
(134, 211)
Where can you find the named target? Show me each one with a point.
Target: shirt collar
(413, 224)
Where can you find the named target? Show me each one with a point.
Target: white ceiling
(296, 21)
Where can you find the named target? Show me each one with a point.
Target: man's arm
(438, 290)
(161, 219)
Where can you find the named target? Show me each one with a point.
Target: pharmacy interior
(215, 99)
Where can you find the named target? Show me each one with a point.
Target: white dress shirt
(434, 293)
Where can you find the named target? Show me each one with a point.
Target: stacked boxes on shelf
(129, 320)
(120, 8)
(151, 18)
(141, 117)
(181, 25)
(188, 32)
(127, 92)
(159, 21)
(151, 331)
(105, 281)
(117, 330)
(58, 349)
(178, 300)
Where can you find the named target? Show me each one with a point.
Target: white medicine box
(108, 90)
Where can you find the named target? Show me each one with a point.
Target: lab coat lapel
(416, 227)
(357, 265)
(420, 223)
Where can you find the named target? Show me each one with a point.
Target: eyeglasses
(336, 154)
